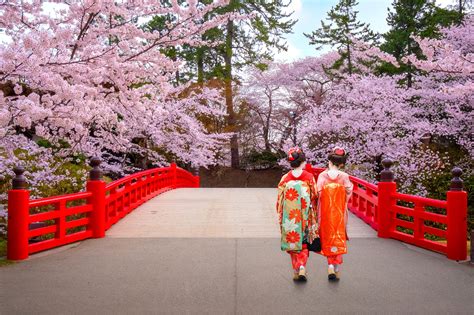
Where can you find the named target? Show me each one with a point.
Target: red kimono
(334, 190)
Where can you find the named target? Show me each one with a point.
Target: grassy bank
(3, 254)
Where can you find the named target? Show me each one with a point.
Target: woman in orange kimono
(297, 212)
(334, 190)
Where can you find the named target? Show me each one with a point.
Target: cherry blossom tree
(446, 92)
(86, 78)
(373, 116)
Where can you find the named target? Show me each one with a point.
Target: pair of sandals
(302, 277)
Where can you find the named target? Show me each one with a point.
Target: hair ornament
(339, 151)
(291, 151)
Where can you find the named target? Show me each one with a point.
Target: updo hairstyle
(338, 157)
(296, 157)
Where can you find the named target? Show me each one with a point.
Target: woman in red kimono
(334, 190)
(296, 212)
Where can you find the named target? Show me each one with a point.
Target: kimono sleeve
(281, 193)
(348, 185)
(320, 184)
(313, 191)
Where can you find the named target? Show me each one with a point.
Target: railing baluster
(418, 221)
(61, 221)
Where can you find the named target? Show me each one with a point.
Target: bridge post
(96, 186)
(197, 179)
(386, 188)
(457, 218)
(18, 213)
(174, 177)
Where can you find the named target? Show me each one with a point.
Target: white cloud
(295, 6)
(444, 3)
(291, 54)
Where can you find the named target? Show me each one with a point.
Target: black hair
(337, 160)
(298, 158)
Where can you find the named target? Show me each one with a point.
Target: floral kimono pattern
(296, 210)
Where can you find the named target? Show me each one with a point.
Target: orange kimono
(334, 190)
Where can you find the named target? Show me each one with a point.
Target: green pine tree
(250, 41)
(409, 18)
(343, 26)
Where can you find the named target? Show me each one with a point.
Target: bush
(260, 160)
(439, 185)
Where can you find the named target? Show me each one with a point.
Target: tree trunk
(200, 66)
(266, 140)
(349, 61)
(267, 122)
(231, 119)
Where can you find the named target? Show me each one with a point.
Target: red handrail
(96, 210)
(408, 223)
(103, 205)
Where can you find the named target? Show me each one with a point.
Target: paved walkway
(212, 212)
(213, 259)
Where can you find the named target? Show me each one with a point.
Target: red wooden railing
(412, 219)
(70, 218)
(74, 217)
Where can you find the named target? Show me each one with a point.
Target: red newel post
(197, 179)
(174, 177)
(386, 188)
(457, 218)
(96, 186)
(18, 213)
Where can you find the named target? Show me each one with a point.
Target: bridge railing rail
(41, 224)
(437, 225)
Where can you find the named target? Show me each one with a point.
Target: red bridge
(103, 205)
(209, 250)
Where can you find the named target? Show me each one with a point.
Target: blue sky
(310, 13)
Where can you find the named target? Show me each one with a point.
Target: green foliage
(343, 26)
(261, 160)
(412, 18)
(439, 185)
(74, 173)
(253, 39)
(3, 254)
(3, 248)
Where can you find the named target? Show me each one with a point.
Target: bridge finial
(19, 181)
(386, 175)
(456, 182)
(95, 173)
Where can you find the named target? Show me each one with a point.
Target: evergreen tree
(247, 41)
(250, 41)
(343, 26)
(410, 18)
